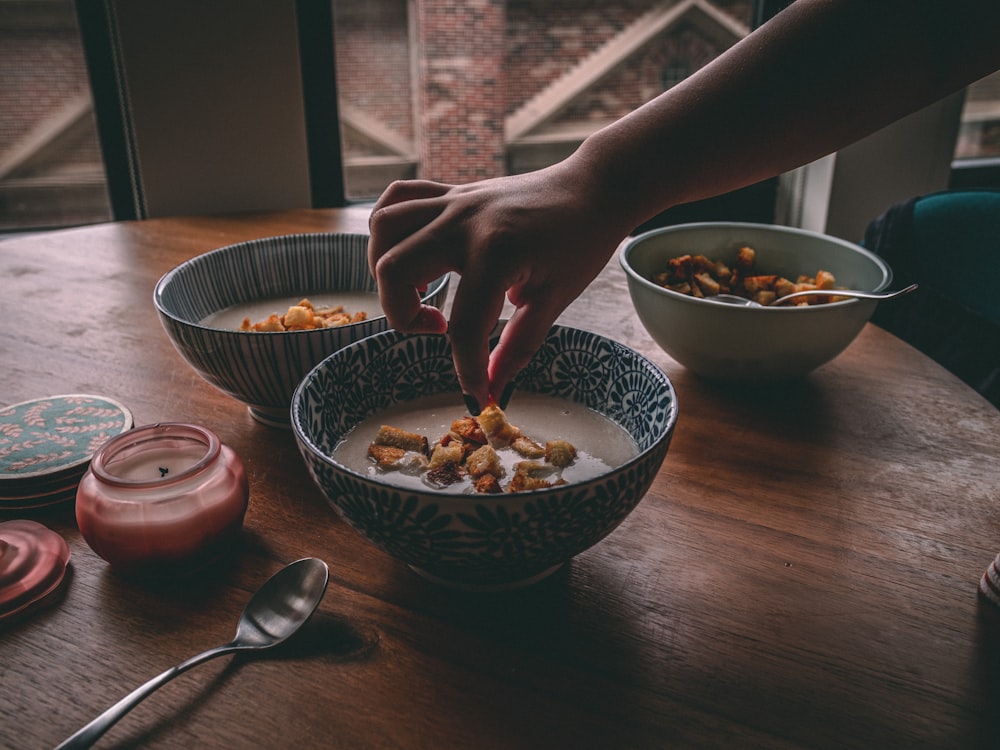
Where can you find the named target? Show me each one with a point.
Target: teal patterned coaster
(58, 434)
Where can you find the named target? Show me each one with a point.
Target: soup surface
(600, 444)
(352, 302)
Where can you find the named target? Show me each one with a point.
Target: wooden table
(803, 572)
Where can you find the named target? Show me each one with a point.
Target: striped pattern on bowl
(263, 369)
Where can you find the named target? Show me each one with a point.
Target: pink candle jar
(162, 498)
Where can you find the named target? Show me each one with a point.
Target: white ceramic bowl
(483, 541)
(263, 369)
(747, 344)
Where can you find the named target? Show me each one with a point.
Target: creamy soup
(352, 302)
(600, 443)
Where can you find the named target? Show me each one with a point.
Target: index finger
(401, 272)
(400, 211)
(404, 258)
(475, 311)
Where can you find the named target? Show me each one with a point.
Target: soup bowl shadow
(262, 369)
(479, 541)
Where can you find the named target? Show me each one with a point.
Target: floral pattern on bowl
(483, 541)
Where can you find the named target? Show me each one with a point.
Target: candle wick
(163, 471)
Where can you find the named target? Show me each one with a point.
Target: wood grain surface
(802, 573)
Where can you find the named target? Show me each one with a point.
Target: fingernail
(508, 391)
(471, 404)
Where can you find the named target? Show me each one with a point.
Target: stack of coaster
(46, 445)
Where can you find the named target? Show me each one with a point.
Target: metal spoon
(732, 299)
(279, 608)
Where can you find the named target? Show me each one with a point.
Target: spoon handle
(845, 293)
(90, 733)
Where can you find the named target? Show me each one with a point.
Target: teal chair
(949, 244)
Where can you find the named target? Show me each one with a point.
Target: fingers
(404, 256)
(475, 310)
(521, 338)
(421, 230)
(401, 275)
(401, 210)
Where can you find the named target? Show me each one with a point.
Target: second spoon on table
(279, 608)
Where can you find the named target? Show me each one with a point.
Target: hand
(537, 238)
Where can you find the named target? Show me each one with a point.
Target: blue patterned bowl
(483, 541)
(263, 369)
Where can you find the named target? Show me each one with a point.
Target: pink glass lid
(33, 561)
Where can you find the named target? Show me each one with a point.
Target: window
(51, 171)
(454, 91)
(977, 151)
(442, 89)
(375, 87)
(979, 136)
(673, 73)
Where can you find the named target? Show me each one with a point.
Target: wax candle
(158, 463)
(163, 498)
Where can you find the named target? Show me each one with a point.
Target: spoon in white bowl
(732, 299)
(279, 608)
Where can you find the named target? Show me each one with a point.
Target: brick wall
(461, 87)
(479, 60)
(641, 78)
(544, 39)
(547, 37)
(373, 61)
(40, 69)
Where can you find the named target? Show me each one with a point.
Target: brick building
(457, 91)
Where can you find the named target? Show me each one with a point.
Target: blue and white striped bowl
(263, 369)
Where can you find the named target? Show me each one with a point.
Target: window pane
(455, 90)
(979, 136)
(374, 87)
(51, 173)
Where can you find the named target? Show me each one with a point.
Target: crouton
(443, 454)
(408, 441)
(487, 484)
(469, 430)
(527, 447)
(483, 460)
(499, 432)
(560, 453)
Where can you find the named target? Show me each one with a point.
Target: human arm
(818, 76)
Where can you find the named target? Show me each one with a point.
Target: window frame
(114, 113)
(326, 173)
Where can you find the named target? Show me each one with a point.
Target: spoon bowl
(274, 613)
(732, 299)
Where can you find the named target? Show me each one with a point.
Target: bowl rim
(504, 497)
(633, 275)
(433, 288)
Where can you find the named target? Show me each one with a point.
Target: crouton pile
(470, 451)
(699, 276)
(304, 317)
